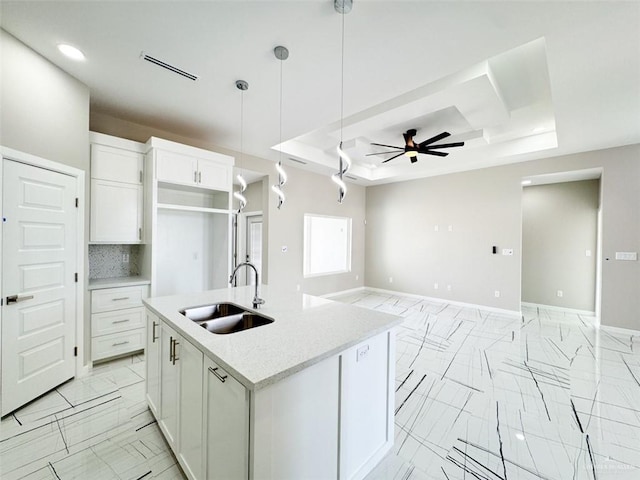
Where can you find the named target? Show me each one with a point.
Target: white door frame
(241, 232)
(39, 162)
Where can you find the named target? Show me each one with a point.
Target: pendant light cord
(342, 80)
(241, 127)
(280, 139)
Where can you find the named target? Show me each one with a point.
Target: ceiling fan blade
(434, 152)
(396, 156)
(445, 145)
(381, 153)
(431, 140)
(390, 146)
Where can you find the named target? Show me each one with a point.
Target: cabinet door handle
(153, 333)
(140, 176)
(120, 343)
(121, 321)
(171, 349)
(119, 298)
(139, 233)
(222, 378)
(199, 177)
(175, 342)
(195, 177)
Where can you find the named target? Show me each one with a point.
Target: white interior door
(254, 246)
(39, 243)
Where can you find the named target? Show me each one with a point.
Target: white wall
(484, 208)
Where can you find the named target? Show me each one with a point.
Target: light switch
(632, 256)
(587, 253)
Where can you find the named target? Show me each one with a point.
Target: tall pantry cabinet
(187, 217)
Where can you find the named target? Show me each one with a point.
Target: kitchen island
(309, 395)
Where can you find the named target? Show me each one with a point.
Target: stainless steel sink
(224, 318)
(209, 312)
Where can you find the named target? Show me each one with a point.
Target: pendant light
(242, 200)
(342, 7)
(281, 54)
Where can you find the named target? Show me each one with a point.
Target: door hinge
(75, 351)
(76, 202)
(75, 275)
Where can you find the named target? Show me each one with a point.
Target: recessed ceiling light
(71, 52)
(526, 182)
(519, 436)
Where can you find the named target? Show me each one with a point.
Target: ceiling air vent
(350, 177)
(297, 161)
(169, 67)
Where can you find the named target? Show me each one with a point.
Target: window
(327, 245)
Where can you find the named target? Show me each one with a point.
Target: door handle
(16, 298)
(153, 333)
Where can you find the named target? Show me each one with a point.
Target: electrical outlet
(362, 352)
(450, 228)
(587, 253)
(297, 288)
(357, 277)
(497, 293)
(436, 228)
(390, 279)
(559, 293)
(125, 258)
(507, 251)
(448, 288)
(285, 249)
(435, 286)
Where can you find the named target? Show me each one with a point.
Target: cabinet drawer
(109, 299)
(117, 321)
(117, 344)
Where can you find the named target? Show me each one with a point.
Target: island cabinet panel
(152, 354)
(295, 425)
(169, 383)
(190, 423)
(226, 425)
(366, 419)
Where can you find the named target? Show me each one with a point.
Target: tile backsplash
(106, 261)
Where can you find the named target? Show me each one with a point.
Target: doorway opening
(561, 224)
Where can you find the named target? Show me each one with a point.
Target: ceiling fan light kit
(411, 149)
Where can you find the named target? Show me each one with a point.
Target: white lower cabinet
(152, 355)
(169, 383)
(333, 419)
(226, 425)
(190, 409)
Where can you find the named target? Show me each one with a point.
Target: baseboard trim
(626, 331)
(504, 311)
(343, 292)
(558, 309)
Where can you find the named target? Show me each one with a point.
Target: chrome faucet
(257, 301)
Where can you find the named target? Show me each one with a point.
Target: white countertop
(306, 330)
(98, 283)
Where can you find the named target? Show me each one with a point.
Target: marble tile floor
(479, 395)
(483, 395)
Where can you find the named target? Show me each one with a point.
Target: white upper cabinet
(117, 173)
(116, 164)
(176, 168)
(185, 165)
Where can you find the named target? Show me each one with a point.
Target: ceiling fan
(412, 149)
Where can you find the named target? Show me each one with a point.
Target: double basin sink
(224, 318)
